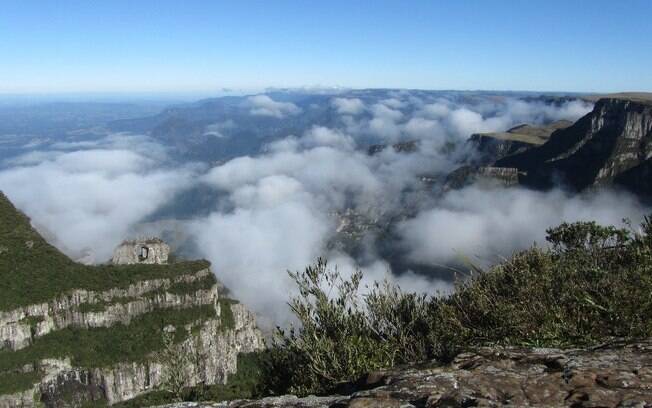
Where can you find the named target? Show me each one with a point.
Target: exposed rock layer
(610, 145)
(496, 145)
(614, 376)
(215, 347)
(19, 327)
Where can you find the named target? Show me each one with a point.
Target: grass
(12, 383)
(177, 288)
(103, 347)
(92, 307)
(184, 288)
(226, 314)
(33, 271)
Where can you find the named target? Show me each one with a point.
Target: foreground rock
(610, 376)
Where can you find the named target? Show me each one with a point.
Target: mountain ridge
(610, 145)
(119, 313)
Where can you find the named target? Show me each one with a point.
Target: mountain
(218, 129)
(72, 334)
(611, 145)
(222, 128)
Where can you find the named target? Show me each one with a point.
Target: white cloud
(420, 128)
(276, 211)
(382, 111)
(217, 129)
(394, 103)
(263, 105)
(322, 136)
(435, 110)
(348, 106)
(490, 224)
(91, 198)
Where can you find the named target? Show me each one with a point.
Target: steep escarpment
(610, 145)
(610, 376)
(496, 145)
(71, 333)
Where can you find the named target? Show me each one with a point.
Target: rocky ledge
(614, 375)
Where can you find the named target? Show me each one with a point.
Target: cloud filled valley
(314, 189)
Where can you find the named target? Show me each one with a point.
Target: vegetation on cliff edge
(105, 346)
(33, 271)
(591, 285)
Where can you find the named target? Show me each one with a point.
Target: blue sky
(202, 46)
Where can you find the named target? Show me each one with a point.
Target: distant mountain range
(218, 129)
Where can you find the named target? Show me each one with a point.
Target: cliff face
(486, 175)
(611, 144)
(609, 376)
(497, 145)
(83, 308)
(101, 336)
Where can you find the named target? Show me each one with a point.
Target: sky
(204, 46)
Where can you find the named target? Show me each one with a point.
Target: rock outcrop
(493, 176)
(497, 145)
(610, 145)
(608, 376)
(409, 146)
(21, 326)
(96, 334)
(141, 251)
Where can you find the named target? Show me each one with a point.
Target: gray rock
(614, 375)
(141, 251)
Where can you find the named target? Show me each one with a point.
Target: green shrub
(227, 320)
(11, 383)
(342, 334)
(33, 271)
(591, 285)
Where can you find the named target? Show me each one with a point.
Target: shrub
(591, 285)
(344, 334)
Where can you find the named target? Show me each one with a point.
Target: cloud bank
(263, 105)
(281, 209)
(91, 198)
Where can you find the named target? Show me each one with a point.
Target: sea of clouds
(276, 210)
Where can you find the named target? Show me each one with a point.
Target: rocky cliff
(496, 145)
(71, 334)
(610, 145)
(612, 375)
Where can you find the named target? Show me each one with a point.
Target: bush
(591, 285)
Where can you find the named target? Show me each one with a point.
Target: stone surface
(608, 376)
(409, 146)
(141, 251)
(484, 175)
